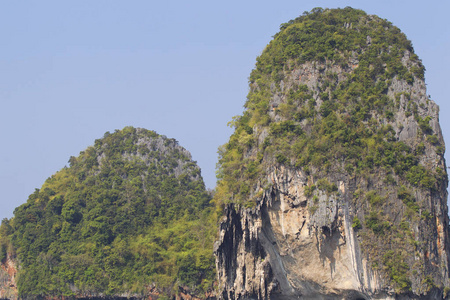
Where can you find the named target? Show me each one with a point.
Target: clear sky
(72, 70)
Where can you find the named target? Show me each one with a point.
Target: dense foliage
(129, 214)
(341, 123)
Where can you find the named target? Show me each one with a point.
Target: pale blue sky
(72, 70)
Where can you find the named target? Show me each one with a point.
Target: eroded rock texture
(8, 272)
(280, 250)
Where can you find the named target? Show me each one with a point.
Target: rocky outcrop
(8, 272)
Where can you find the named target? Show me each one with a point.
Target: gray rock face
(155, 150)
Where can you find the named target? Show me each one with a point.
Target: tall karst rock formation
(333, 184)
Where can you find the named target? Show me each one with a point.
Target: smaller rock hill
(130, 217)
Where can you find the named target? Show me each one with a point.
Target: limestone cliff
(334, 183)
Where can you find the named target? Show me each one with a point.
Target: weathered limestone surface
(279, 250)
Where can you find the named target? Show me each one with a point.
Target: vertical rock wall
(281, 250)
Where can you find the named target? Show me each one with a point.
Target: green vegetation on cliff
(130, 213)
(325, 98)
